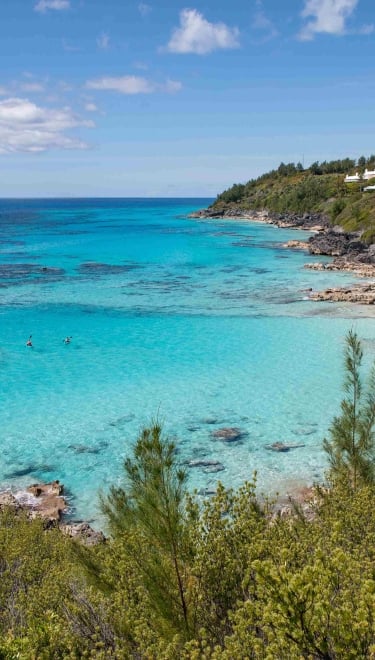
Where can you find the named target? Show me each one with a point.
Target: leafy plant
(351, 446)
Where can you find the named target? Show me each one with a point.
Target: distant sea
(202, 324)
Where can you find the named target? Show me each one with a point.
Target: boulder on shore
(336, 243)
(46, 501)
(363, 294)
(83, 532)
(49, 503)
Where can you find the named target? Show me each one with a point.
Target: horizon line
(109, 197)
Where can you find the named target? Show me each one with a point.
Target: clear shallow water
(204, 323)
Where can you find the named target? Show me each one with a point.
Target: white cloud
(197, 35)
(24, 126)
(91, 107)
(133, 85)
(327, 16)
(44, 5)
(32, 87)
(144, 9)
(103, 41)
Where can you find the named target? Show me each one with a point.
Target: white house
(353, 179)
(369, 174)
(369, 188)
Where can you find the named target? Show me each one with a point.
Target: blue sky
(123, 98)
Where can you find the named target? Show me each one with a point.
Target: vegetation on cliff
(319, 188)
(228, 578)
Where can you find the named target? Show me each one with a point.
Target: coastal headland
(350, 253)
(325, 198)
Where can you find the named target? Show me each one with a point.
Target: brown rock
(83, 533)
(49, 504)
(296, 245)
(53, 488)
(363, 294)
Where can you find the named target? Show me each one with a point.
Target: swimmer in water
(29, 342)
(67, 340)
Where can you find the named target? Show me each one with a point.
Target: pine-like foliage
(149, 514)
(351, 446)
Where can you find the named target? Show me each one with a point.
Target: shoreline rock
(309, 221)
(46, 501)
(350, 253)
(296, 245)
(363, 294)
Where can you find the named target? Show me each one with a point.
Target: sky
(146, 98)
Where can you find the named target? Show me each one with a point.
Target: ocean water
(203, 324)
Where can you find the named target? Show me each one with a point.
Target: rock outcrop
(336, 243)
(363, 294)
(49, 502)
(296, 245)
(83, 532)
(308, 221)
(46, 501)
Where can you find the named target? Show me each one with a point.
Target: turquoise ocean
(203, 324)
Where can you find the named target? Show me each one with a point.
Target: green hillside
(320, 188)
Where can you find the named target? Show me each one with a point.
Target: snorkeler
(67, 340)
(29, 342)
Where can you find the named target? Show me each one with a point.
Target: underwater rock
(13, 271)
(84, 449)
(210, 465)
(308, 430)
(122, 420)
(206, 492)
(229, 434)
(281, 446)
(29, 469)
(95, 267)
(212, 469)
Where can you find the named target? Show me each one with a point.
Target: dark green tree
(351, 445)
(361, 162)
(148, 513)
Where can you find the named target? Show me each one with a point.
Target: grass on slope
(305, 192)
